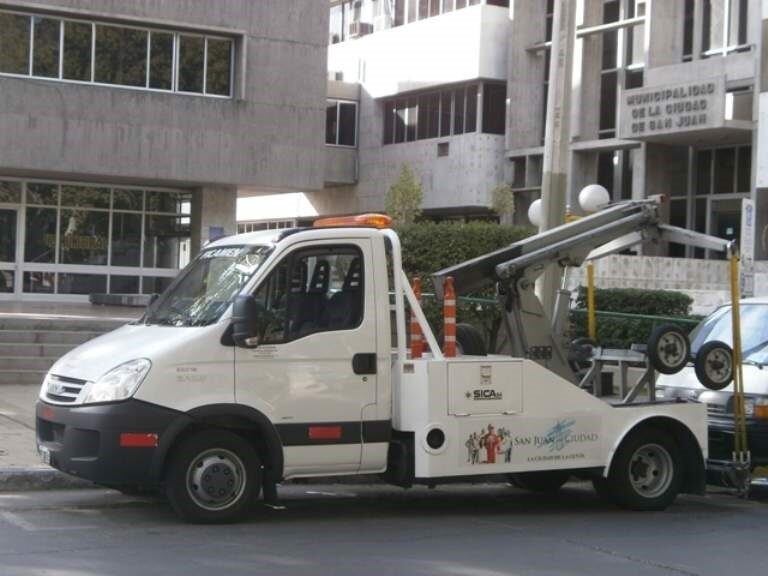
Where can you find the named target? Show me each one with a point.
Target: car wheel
(213, 477)
(714, 365)
(542, 482)
(668, 349)
(647, 471)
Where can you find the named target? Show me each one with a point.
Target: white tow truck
(274, 355)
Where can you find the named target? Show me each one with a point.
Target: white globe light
(534, 213)
(593, 198)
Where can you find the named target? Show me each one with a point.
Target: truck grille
(716, 409)
(63, 390)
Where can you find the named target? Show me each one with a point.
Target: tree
(503, 202)
(404, 198)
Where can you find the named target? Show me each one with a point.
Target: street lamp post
(554, 189)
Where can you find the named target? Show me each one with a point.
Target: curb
(30, 479)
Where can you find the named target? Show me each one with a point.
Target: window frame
(149, 29)
(339, 102)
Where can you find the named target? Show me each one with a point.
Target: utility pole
(554, 188)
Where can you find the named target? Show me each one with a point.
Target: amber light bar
(360, 221)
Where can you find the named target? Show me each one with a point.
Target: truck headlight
(120, 383)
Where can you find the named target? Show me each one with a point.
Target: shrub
(623, 332)
(430, 246)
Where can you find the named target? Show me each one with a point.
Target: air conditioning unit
(358, 29)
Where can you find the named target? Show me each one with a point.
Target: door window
(311, 291)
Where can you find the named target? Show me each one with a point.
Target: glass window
(155, 284)
(82, 284)
(121, 56)
(445, 113)
(725, 170)
(423, 8)
(331, 121)
(170, 202)
(399, 18)
(424, 113)
(126, 239)
(83, 237)
(46, 47)
(458, 111)
(605, 168)
(162, 240)
(677, 217)
(744, 171)
(128, 199)
(704, 172)
(84, 197)
(77, 51)
(7, 235)
(42, 193)
(608, 90)
(494, 108)
(413, 7)
(191, 58)
(40, 239)
(336, 24)
(347, 124)
(7, 278)
(400, 113)
(123, 284)
(14, 43)
(411, 119)
(161, 61)
(389, 119)
(471, 116)
(10, 192)
(219, 68)
(312, 291)
(39, 282)
(688, 25)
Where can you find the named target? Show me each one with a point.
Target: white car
(685, 384)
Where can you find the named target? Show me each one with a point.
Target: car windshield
(207, 286)
(754, 331)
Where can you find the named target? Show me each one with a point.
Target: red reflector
(48, 413)
(325, 432)
(138, 440)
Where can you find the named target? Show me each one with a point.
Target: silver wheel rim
(671, 349)
(651, 470)
(216, 479)
(717, 365)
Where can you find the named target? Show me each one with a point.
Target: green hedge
(432, 246)
(623, 332)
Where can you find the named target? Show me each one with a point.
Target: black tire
(647, 471)
(213, 477)
(714, 365)
(469, 341)
(542, 482)
(668, 349)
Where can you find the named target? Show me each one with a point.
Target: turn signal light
(378, 221)
(761, 411)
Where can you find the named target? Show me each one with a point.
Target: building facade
(127, 128)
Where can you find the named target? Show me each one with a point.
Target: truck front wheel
(213, 476)
(646, 472)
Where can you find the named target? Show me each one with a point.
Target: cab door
(314, 369)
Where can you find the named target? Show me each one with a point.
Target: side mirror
(245, 315)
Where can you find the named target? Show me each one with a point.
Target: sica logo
(488, 394)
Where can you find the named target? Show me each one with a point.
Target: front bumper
(721, 443)
(85, 441)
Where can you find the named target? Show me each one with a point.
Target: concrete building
(127, 128)
(662, 103)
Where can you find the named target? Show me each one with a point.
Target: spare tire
(714, 365)
(668, 349)
(469, 341)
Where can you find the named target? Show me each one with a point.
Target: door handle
(364, 363)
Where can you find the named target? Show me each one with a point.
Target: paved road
(365, 531)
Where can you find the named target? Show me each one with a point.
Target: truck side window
(313, 290)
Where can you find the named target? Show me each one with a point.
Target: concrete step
(26, 363)
(73, 337)
(30, 377)
(14, 349)
(43, 324)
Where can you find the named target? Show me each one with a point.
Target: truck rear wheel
(469, 340)
(543, 482)
(647, 471)
(213, 477)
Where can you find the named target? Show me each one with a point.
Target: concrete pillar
(666, 172)
(214, 215)
(664, 32)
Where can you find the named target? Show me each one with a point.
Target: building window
(408, 11)
(76, 237)
(244, 227)
(724, 27)
(341, 123)
(448, 112)
(114, 55)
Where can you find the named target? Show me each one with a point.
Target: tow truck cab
(272, 356)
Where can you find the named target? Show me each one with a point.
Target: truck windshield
(207, 286)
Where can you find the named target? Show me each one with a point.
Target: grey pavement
(459, 530)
